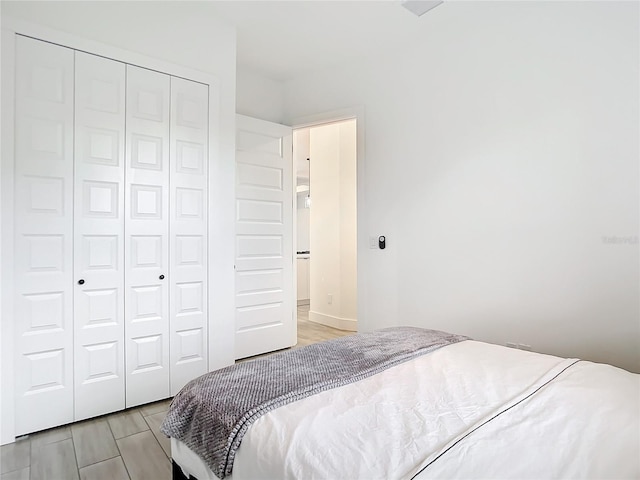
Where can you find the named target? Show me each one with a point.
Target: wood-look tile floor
(310, 332)
(121, 446)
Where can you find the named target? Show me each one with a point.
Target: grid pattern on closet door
(111, 233)
(188, 251)
(167, 147)
(99, 236)
(43, 211)
(147, 233)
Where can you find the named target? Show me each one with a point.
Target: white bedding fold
(392, 424)
(592, 432)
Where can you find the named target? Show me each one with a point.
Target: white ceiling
(284, 39)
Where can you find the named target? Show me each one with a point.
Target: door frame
(356, 113)
(221, 240)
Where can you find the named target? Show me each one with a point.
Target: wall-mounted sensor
(382, 242)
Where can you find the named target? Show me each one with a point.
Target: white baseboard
(349, 324)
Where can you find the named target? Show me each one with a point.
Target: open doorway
(325, 162)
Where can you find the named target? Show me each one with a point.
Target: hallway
(310, 332)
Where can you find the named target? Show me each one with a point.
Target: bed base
(178, 474)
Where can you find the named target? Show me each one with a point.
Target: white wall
(332, 225)
(301, 166)
(302, 223)
(258, 96)
(300, 155)
(348, 220)
(501, 150)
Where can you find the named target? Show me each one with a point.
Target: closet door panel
(147, 236)
(43, 235)
(99, 236)
(188, 228)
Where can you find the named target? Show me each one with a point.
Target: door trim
(7, 170)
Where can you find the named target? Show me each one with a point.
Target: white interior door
(43, 235)
(188, 230)
(99, 236)
(265, 313)
(147, 236)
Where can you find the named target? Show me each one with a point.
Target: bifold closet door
(43, 285)
(99, 236)
(147, 236)
(111, 193)
(188, 227)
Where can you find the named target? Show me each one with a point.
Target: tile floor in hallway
(123, 445)
(310, 332)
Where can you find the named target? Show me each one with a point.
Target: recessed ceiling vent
(420, 7)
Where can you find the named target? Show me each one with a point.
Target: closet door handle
(161, 277)
(81, 281)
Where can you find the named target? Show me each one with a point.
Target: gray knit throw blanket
(211, 414)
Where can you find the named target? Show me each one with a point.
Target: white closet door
(146, 241)
(43, 235)
(188, 230)
(99, 236)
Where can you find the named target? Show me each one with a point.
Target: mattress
(468, 410)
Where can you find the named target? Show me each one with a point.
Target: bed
(414, 403)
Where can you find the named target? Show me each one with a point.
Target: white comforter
(469, 410)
